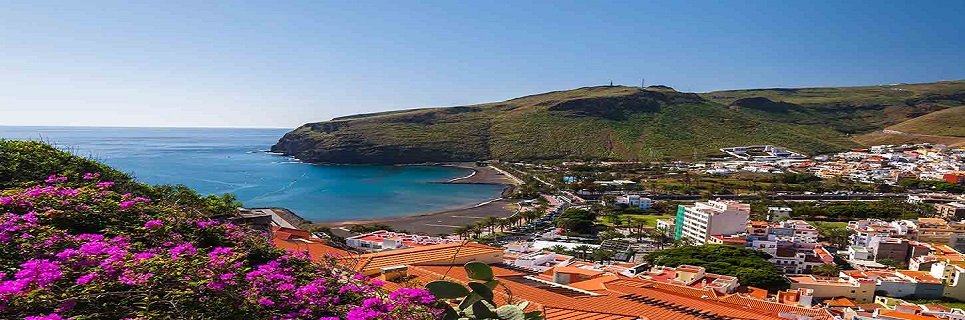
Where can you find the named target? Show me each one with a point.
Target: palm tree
(491, 223)
(464, 231)
(582, 250)
(476, 229)
(602, 255)
(558, 249)
(503, 223)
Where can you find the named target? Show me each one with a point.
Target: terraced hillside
(619, 123)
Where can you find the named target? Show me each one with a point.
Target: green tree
(750, 266)
(827, 270)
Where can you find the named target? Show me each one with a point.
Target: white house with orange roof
(387, 240)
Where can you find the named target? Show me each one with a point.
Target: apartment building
(715, 217)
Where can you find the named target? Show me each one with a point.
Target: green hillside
(619, 122)
(948, 122)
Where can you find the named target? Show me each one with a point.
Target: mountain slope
(948, 122)
(617, 123)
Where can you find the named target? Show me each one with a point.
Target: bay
(222, 160)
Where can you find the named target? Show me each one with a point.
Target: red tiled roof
(564, 313)
(432, 254)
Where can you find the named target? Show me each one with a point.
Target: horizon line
(140, 127)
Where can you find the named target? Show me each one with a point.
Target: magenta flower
(52, 316)
(153, 224)
(127, 204)
(184, 249)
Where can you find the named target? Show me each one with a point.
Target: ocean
(216, 161)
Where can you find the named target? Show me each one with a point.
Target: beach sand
(445, 222)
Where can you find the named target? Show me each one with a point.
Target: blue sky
(282, 63)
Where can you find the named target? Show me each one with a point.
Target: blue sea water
(215, 160)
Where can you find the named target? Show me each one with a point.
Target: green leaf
(482, 290)
(443, 289)
(483, 310)
(510, 312)
(479, 271)
(466, 303)
(451, 314)
(492, 284)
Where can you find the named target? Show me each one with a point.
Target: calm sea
(231, 161)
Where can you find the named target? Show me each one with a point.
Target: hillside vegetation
(948, 122)
(617, 122)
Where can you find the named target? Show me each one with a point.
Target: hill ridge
(619, 122)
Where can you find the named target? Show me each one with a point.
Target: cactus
(476, 301)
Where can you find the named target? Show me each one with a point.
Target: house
(456, 253)
(902, 283)
(635, 201)
(382, 240)
(859, 290)
(301, 241)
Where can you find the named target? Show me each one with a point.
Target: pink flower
(266, 302)
(85, 279)
(153, 224)
(105, 184)
(127, 204)
(184, 249)
(91, 175)
(52, 316)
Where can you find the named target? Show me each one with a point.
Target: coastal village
(907, 267)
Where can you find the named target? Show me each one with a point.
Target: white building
(635, 200)
(715, 217)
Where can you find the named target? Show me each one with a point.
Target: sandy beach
(445, 222)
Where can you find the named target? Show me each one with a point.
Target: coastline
(447, 221)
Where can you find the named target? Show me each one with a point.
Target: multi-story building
(901, 283)
(951, 210)
(859, 290)
(715, 217)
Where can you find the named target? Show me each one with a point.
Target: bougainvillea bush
(78, 247)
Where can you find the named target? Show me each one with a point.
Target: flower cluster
(76, 246)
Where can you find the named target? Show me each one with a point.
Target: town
(864, 234)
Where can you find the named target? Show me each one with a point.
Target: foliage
(837, 235)
(889, 262)
(77, 245)
(827, 270)
(888, 209)
(750, 266)
(476, 301)
(366, 228)
(932, 185)
(577, 221)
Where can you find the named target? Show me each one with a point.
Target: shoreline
(446, 221)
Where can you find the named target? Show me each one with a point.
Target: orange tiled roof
(840, 302)
(564, 313)
(316, 249)
(901, 315)
(427, 255)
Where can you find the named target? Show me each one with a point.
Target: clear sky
(284, 63)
